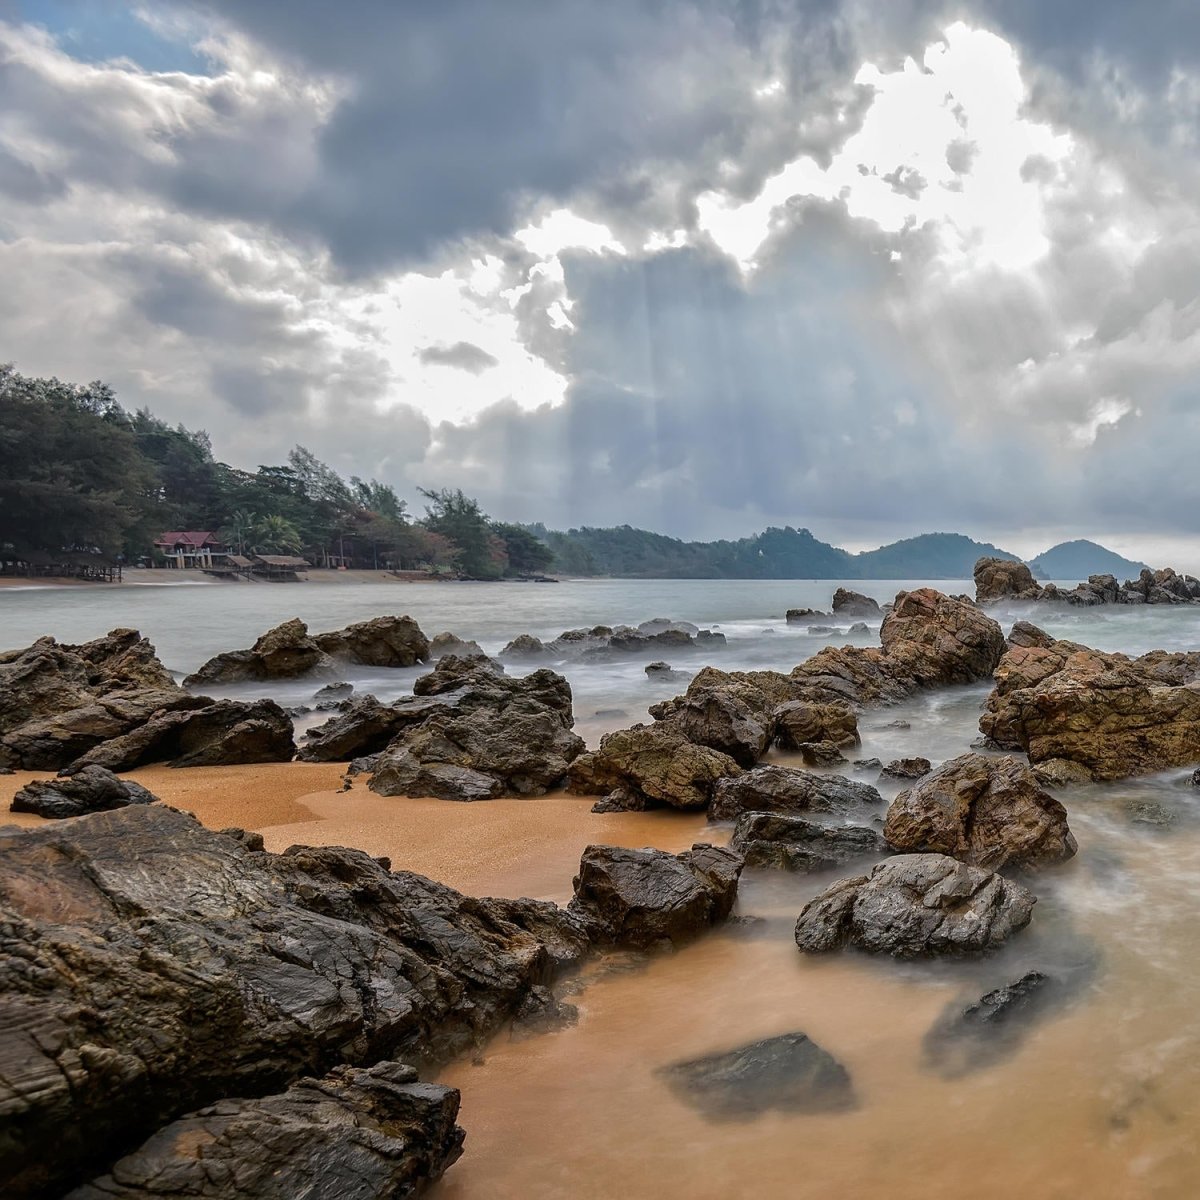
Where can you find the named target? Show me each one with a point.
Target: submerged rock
(854, 604)
(790, 843)
(913, 905)
(990, 812)
(788, 790)
(92, 789)
(788, 1073)
(907, 768)
(356, 1134)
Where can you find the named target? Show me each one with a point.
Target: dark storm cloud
(466, 356)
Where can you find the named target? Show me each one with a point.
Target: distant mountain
(1081, 558)
(929, 556)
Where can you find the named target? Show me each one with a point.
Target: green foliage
(453, 515)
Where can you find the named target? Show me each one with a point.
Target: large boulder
(723, 712)
(913, 905)
(790, 843)
(789, 790)
(491, 736)
(357, 1134)
(150, 966)
(989, 812)
(1080, 714)
(789, 1073)
(1002, 579)
(92, 789)
(651, 766)
(803, 723)
(854, 604)
(379, 642)
(285, 652)
(217, 733)
(366, 726)
(642, 898)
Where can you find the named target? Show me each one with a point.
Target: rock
(219, 733)
(790, 843)
(867, 765)
(150, 966)
(913, 905)
(989, 812)
(799, 722)
(334, 691)
(492, 736)
(662, 670)
(379, 642)
(355, 1134)
(92, 789)
(454, 671)
(1024, 633)
(801, 616)
(999, 579)
(723, 713)
(821, 754)
(366, 727)
(788, 1073)
(525, 648)
(907, 768)
(854, 604)
(450, 643)
(1147, 812)
(637, 899)
(543, 1012)
(1080, 714)
(822, 630)
(664, 624)
(858, 629)
(284, 652)
(788, 790)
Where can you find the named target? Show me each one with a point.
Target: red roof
(185, 537)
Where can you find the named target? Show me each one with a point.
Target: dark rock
(867, 765)
(907, 768)
(543, 1012)
(379, 642)
(788, 1073)
(723, 713)
(525, 648)
(663, 625)
(989, 812)
(334, 691)
(859, 629)
(284, 652)
(854, 604)
(799, 722)
(795, 844)
(622, 799)
(92, 789)
(913, 905)
(821, 754)
(655, 763)
(801, 616)
(356, 1134)
(149, 966)
(788, 790)
(640, 898)
(454, 671)
(366, 727)
(822, 630)
(450, 643)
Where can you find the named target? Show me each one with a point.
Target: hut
(230, 566)
(189, 547)
(279, 567)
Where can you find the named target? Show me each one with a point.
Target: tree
(276, 535)
(459, 518)
(240, 530)
(526, 553)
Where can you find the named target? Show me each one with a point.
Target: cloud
(466, 356)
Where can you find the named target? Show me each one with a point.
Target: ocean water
(1098, 1098)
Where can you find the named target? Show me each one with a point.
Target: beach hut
(189, 547)
(279, 567)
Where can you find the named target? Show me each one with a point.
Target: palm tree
(274, 535)
(241, 529)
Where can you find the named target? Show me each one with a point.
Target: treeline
(79, 472)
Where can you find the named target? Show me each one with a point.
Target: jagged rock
(356, 1134)
(494, 736)
(1000, 579)
(1081, 714)
(366, 727)
(640, 898)
(454, 671)
(788, 790)
(450, 643)
(218, 733)
(791, 843)
(916, 904)
(907, 768)
(656, 764)
(543, 1012)
(662, 670)
(821, 754)
(723, 713)
(867, 764)
(801, 616)
(93, 789)
(799, 722)
(525, 648)
(989, 812)
(284, 652)
(149, 966)
(1024, 633)
(334, 691)
(854, 604)
(379, 642)
(788, 1073)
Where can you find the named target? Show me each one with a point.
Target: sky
(871, 267)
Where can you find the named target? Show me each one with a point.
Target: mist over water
(1099, 1096)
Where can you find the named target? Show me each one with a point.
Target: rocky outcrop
(149, 966)
(789, 1073)
(789, 790)
(379, 642)
(490, 736)
(799, 723)
(650, 766)
(525, 648)
(356, 1134)
(1081, 714)
(927, 640)
(366, 726)
(854, 604)
(906, 768)
(92, 789)
(642, 898)
(790, 843)
(989, 812)
(913, 905)
(218, 733)
(722, 712)
(1002, 579)
(651, 638)
(802, 616)
(450, 643)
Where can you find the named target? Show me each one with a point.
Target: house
(189, 548)
(279, 567)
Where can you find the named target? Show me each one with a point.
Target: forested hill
(1079, 559)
